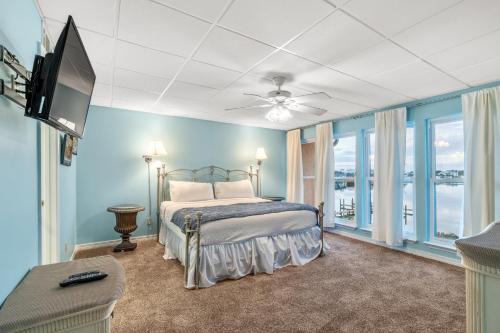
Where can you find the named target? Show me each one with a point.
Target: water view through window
(447, 184)
(345, 171)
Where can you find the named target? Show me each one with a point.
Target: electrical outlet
(149, 221)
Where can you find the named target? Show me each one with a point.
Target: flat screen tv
(61, 84)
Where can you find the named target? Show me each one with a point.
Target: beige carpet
(358, 287)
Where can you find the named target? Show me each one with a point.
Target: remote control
(82, 273)
(83, 278)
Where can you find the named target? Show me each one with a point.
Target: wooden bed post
(321, 215)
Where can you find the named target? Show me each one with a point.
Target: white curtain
(481, 111)
(390, 151)
(295, 176)
(324, 171)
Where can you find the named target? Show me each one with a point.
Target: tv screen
(62, 84)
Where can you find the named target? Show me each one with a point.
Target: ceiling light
(279, 114)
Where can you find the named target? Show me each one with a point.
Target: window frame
(432, 181)
(354, 134)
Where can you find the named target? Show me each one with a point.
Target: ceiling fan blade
(258, 106)
(306, 109)
(314, 97)
(259, 97)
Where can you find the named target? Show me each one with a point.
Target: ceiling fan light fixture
(279, 115)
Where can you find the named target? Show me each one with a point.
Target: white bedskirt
(236, 259)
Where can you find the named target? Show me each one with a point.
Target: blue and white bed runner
(215, 213)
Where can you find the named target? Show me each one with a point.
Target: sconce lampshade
(260, 155)
(156, 148)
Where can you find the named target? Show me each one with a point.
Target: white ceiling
(194, 58)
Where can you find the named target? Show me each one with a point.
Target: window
(408, 218)
(308, 166)
(446, 181)
(409, 230)
(345, 173)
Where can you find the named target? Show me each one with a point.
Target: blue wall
(20, 31)
(419, 113)
(111, 170)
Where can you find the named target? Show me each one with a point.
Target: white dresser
(38, 304)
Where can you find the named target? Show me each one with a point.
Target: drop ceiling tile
(417, 80)
(207, 75)
(346, 88)
(190, 91)
(187, 108)
(284, 63)
(230, 50)
(338, 3)
(138, 81)
(338, 108)
(104, 73)
(230, 99)
(375, 60)
(140, 59)
(482, 73)
(131, 99)
(125, 94)
(99, 47)
(469, 53)
(465, 21)
(393, 16)
(312, 77)
(252, 84)
(208, 10)
(102, 90)
(95, 15)
(274, 22)
(159, 27)
(335, 38)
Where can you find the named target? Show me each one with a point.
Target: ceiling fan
(281, 102)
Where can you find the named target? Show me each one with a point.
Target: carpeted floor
(357, 287)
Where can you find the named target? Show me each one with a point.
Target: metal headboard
(208, 174)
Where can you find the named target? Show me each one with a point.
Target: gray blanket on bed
(214, 213)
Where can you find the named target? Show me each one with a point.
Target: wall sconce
(260, 155)
(155, 150)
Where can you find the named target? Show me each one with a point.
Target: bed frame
(192, 225)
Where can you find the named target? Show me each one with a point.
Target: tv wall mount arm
(15, 91)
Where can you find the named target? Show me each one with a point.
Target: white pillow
(190, 191)
(237, 189)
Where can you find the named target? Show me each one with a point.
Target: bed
(229, 238)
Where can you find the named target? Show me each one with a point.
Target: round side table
(125, 224)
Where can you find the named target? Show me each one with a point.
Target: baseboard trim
(415, 252)
(112, 242)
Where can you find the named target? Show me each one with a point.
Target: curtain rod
(411, 104)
